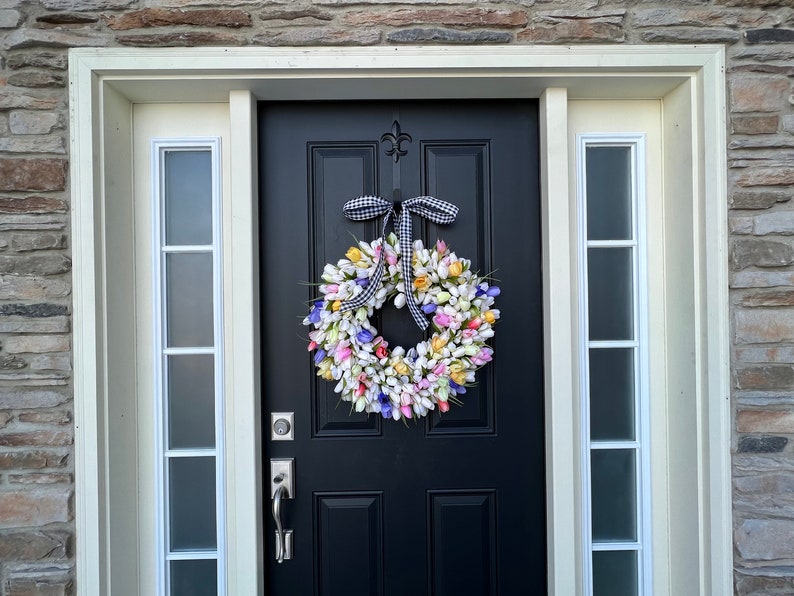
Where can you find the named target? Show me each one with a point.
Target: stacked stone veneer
(36, 400)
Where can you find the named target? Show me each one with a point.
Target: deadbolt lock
(281, 426)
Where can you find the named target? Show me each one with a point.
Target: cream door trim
(104, 83)
(616, 117)
(168, 121)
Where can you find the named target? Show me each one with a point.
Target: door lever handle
(282, 486)
(281, 549)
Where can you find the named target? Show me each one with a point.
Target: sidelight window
(614, 350)
(188, 371)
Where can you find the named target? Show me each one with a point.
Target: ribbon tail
(374, 282)
(407, 250)
(365, 296)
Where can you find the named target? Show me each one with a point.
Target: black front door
(449, 505)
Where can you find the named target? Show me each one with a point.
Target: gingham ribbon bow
(368, 207)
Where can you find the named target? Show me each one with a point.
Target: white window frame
(159, 147)
(689, 80)
(638, 242)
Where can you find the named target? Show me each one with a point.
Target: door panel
(440, 506)
(462, 542)
(461, 170)
(349, 523)
(337, 170)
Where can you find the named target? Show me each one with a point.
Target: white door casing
(693, 545)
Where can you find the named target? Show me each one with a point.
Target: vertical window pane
(615, 573)
(614, 498)
(188, 281)
(192, 503)
(194, 578)
(609, 193)
(191, 401)
(609, 290)
(188, 197)
(612, 394)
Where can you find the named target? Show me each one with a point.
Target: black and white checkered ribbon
(368, 207)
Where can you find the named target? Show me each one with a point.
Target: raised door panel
(337, 172)
(460, 170)
(462, 542)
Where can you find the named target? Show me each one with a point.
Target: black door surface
(448, 505)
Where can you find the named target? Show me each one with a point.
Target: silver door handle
(282, 486)
(281, 492)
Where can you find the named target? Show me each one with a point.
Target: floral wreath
(395, 382)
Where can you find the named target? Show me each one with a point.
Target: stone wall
(36, 401)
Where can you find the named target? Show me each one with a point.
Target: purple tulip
(319, 355)
(364, 336)
(314, 315)
(429, 308)
(363, 281)
(493, 291)
(480, 291)
(459, 389)
(385, 405)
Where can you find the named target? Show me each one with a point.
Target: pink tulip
(331, 288)
(442, 320)
(407, 411)
(474, 324)
(482, 357)
(439, 369)
(361, 389)
(311, 346)
(391, 258)
(344, 353)
(441, 246)
(443, 406)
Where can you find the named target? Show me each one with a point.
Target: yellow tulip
(353, 254)
(421, 283)
(455, 269)
(456, 366)
(489, 316)
(336, 305)
(438, 342)
(459, 377)
(401, 368)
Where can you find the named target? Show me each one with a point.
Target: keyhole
(281, 426)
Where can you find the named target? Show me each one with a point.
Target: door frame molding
(104, 84)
